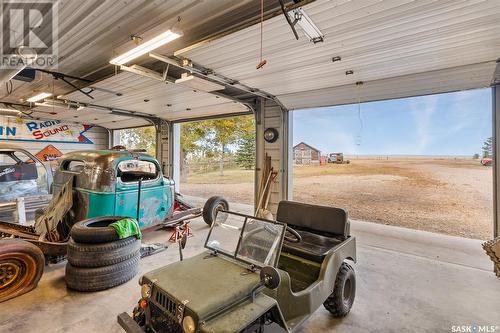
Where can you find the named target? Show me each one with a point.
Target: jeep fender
(296, 307)
(240, 316)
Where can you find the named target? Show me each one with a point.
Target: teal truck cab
(121, 183)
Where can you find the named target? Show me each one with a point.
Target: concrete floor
(407, 281)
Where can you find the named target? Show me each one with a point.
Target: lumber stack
(267, 178)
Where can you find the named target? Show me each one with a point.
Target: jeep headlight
(146, 291)
(188, 324)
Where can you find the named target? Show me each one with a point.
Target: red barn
(305, 154)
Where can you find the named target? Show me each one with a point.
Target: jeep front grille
(160, 323)
(165, 302)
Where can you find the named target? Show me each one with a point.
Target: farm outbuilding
(143, 63)
(304, 154)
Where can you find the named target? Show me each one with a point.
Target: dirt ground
(450, 196)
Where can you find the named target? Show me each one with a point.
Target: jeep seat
(320, 227)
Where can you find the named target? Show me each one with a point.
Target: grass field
(233, 176)
(450, 196)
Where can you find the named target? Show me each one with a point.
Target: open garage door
(422, 162)
(398, 49)
(146, 98)
(371, 50)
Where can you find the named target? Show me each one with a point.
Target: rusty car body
(22, 175)
(121, 183)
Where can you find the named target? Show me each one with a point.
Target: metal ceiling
(91, 32)
(398, 48)
(88, 115)
(156, 98)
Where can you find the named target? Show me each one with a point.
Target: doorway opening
(422, 162)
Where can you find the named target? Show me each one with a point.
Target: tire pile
(97, 258)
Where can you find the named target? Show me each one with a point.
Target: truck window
(13, 167)
(132, 171)
(73, 166)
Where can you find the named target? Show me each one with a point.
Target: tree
(217, 138)
(488, 147)
(245, 154)
(222, 133)
(139, 138)
(192, 134)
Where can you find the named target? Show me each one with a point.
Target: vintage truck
(120, 182)
(256, 276)
(92, 186)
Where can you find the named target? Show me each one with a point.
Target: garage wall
(271, 115)
(98, 136)
(164, 148)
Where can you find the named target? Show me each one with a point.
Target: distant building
(305, 154)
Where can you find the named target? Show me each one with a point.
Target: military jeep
(256, 276)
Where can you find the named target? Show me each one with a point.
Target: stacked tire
(97, 258)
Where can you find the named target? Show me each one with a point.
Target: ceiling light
(24, 56)
(8, 74)
(198, 83)
(304, 21)
(9, 112)
(140, 70)
(53, 104)
(38, 97)
(146, 47)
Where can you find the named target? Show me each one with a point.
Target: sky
(445, 124)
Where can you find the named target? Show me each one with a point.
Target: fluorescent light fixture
(8, 74)
(38, 97)
(198, 83)
(310, 29)
(9, 112)
(139, 70)
(53, 104)
(146, 47)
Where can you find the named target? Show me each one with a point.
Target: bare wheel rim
(347, 291)
(220, 206)
(10, 272)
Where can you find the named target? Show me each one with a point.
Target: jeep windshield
(246, 238)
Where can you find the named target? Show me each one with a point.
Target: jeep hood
(206, 283)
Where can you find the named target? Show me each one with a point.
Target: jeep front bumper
(128, 323)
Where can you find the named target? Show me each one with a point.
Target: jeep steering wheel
(297, 238)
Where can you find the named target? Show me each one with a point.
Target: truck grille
(161, 323)
(164, 301)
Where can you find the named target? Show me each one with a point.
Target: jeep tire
(340, 301)
(211, 207)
